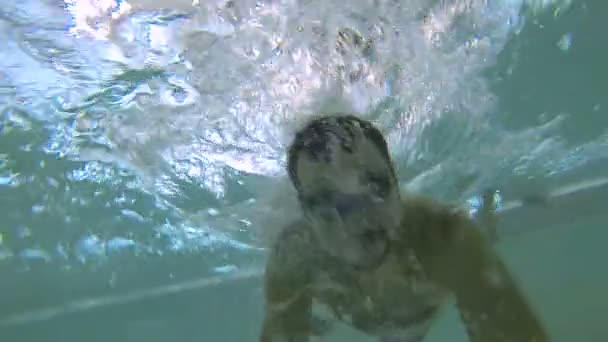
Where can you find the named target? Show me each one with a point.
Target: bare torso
(393, 300)
(396, 301)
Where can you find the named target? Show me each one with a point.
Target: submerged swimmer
(381, 261)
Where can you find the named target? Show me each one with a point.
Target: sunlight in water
(174, 116)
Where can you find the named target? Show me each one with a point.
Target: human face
(351, 200)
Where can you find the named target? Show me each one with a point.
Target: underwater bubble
(118, 244)
(10, 180)
(90, 247)
(35, 254)
(132, 214)
(226, 268)
(565, 42)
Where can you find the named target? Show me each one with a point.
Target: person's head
(346, 184)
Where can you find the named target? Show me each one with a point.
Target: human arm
(287, 311)
(457, 256)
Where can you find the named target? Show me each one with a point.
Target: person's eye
(378, 184)
(311, 201)
(372, 236)
(318, 199)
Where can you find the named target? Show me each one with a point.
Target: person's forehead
(364, 157)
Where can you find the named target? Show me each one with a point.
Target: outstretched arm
(456, 255)
(287, 321)
(287, 301)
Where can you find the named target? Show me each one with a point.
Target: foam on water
(190, 106)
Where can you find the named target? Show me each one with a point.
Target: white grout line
(561, 192)
(137, 295)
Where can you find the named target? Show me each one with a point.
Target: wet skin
(379, 260)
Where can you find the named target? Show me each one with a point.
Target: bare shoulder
(442, 237)
(429, 225)
(455, 253)
(293, 245)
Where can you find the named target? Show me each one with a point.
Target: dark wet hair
(314, 140)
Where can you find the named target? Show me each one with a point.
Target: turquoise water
(142, 149)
